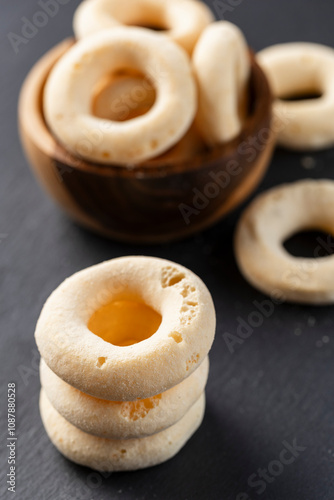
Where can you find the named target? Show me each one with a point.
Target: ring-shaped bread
(71, 84)
(122, 419)
(119, 454)
(181, 20)
(271, 219)
(222, 81)
(297, 69)
(150, 367)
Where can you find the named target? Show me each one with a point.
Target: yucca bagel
(119, 454)
(272, 218)
(295, 69)
(123, 419)
(180, 20)
(86, 336)
(222, 81)
(70, 88)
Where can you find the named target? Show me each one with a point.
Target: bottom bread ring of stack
(119, 454)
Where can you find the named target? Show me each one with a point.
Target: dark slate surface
(276, 387)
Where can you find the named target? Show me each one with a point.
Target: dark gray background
(276, 386)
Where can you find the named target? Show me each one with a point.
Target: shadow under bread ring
(267, 222)
(86, 336)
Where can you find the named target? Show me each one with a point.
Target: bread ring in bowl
(222, 81)
(153, 323)
(71, 84)
(272, 218)
(119, 454)
(122, 419)
(181, 20)
(295, 69)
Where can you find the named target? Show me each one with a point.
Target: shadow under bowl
(149, 203)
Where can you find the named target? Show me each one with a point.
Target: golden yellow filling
(124, 322)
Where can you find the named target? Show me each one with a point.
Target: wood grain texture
(278, 385)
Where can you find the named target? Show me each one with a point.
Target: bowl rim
(32, 122)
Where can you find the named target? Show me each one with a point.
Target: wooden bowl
(156, 202)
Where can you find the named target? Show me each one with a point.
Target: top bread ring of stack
(141, 370)
(181, 20)
(70, 88)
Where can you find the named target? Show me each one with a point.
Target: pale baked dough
(221, 65)
(70, 87)
(182, 20)
(272, 218)
(123, 420)
(142, 370)
(295, 69)
(119, 454)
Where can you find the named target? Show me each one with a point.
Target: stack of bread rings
(124, 348)
(124, 94)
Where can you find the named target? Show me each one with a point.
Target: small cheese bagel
(297, 69)
(181, 20)
(272, 218)
(118, 454)
(123, 420)
(221, 65)
(71, 84)
(125, 370)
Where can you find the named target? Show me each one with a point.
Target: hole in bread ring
(139, 370)
(181, 20)
(71, 88)
(302, 69)
(268, 222)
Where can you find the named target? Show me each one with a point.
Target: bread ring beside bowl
(123, 419)
(297, 69)
(267, 222)
(71, 84)
(180, 20)
(87, 336)
(118, 454)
